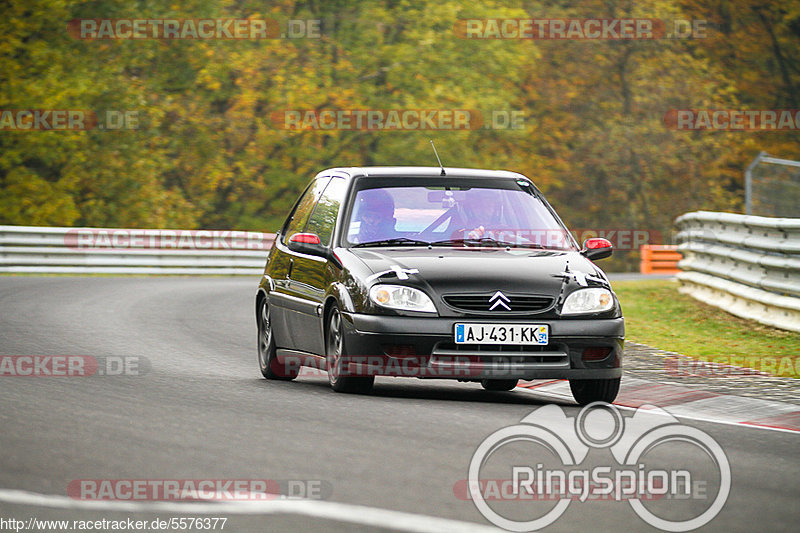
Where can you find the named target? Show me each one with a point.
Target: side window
(299, 217)
(323, 219)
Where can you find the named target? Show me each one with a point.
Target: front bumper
(424, 347)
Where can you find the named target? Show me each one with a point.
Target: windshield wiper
(399, 241)
(487, 240)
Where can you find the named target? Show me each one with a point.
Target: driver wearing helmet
(376, 214)
(480, 211)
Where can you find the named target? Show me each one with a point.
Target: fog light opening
(595, 353)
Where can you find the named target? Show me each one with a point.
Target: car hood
(480, 270)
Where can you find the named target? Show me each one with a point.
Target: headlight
(400, 297)
(583, 301)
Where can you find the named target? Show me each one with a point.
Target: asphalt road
(202, 411)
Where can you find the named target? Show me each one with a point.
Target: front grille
(488, 348)
(481, 302)
(499, 354)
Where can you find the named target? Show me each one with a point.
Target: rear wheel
(267, 360)
(586, 391)
(499, 384)
(336, 352)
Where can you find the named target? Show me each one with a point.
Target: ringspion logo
(543, 459)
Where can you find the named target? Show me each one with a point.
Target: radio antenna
(437, 158)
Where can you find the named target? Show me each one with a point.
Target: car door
(310, 275)
(283, 299)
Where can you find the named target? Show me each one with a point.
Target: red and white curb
(685, 402)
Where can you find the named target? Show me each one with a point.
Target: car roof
(433, 172)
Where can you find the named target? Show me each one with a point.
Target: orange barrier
(659, 259)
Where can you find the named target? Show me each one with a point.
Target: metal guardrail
(747, 265)
(50, 250)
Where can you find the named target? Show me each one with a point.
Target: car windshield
(454, 215)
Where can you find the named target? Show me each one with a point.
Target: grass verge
(656, 314)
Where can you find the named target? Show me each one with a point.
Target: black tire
(586, 391)
(499, 384)
(336, 351)
(267, 360)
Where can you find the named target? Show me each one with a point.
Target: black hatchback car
(434, 272)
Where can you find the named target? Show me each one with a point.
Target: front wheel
(267, 359)
(336, 354)
(586, 391)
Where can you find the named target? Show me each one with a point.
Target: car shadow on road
(432, 389)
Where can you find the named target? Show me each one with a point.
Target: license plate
(501, 334)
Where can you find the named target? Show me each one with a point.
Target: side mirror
(309, 244)
(597, 248)
(306, 243)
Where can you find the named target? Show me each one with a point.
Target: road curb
(685, 402)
